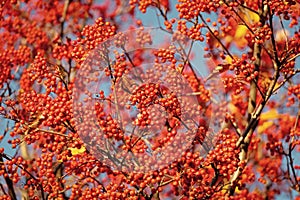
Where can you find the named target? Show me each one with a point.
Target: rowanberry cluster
(91, 37)
(270, 168)
(63, 50)
(190, 10)
(166, 55)
(225, 154)
(193, 32)
(244, 67)
(262, 33)
(10, 59)
(143, 37)
(233, 84)
(119, 67)
(289, 9)
(293, 91)
(142, 4)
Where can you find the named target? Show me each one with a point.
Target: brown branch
(2, 188)
(286, 37)
(58, 173)
(253, 111)
(55, 133)
(296, 184)
(161, 184)
(63, 18)
(161, 12)
(258, 88)
(235, 126)
(292, 58)
(187, 61)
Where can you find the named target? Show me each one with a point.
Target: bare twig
(248, 8)
(218, 39)
(276, 58)
(236, 128)
(285, 80)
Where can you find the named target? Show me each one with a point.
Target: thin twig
(273, 39)
(248, 8)
(285, 80)
(25, 170)
(218, 39)
(9, 183)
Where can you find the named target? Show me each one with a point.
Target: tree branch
(63, 18)
(253, 112)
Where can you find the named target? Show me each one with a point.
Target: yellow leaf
(76, 151)
(232, 108)
(228, 59)
(253, 17)
(240, 32)
(264, 126)
(228, 39)
(249, 16)
(271, 114)
(239, 37)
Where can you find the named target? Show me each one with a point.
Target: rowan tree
(49, 147)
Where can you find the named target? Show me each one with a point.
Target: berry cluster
(190, 10)
(225, 154)
(144, 4)
(63, 50)
(166, 55)
(92, 36)
(10, 59)
(233, 84)
(293, 91)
